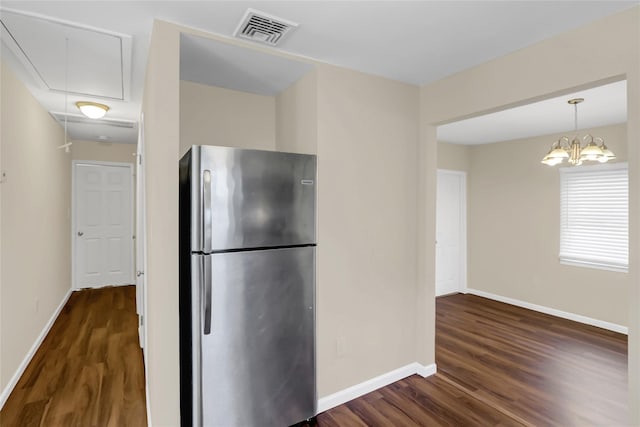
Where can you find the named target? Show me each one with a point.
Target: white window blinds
(594, 216)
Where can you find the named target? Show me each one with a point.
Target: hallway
(88, 371)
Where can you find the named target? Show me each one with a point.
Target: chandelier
(572, 150)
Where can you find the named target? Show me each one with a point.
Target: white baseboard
(25, 362)
(343, 396)
(425, 371)
(552, 311)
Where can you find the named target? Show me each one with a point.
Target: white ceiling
(97, 61)
(412, 41)
(235, 68)
(602, 106)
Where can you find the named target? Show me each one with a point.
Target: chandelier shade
(573, 152)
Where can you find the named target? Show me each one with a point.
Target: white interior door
(141, 282)
(103, 229)
(451, 232)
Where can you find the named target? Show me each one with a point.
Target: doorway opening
(499, 336)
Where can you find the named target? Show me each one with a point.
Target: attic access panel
(99, 63)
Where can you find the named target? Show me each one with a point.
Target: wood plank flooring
(544, 369)
(416, 401)
(501, 365)
(89, 369)
(498, 365)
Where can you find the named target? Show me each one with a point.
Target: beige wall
(453, 156)
(35, 222)
(103, 151)
(602, 51)
(593, 53)
(213, 115)
(367, 264)
(297, 116)
(513, 231)
(161, 109)
(366, 261)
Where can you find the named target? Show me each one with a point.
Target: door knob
(80, 233)
(139, 273)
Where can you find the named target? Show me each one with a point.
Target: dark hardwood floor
(541, 368)
(498, 365)
(503, 365)
(416, 401)
(89, 369)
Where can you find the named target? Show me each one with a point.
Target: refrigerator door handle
(206, 280)
(206, 211)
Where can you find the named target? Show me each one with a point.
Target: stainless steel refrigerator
(247, 287)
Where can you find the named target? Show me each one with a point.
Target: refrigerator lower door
(258, 358)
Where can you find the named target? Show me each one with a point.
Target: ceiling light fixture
(572, 151)
(93, 110)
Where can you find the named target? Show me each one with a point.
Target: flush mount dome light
(93, 110)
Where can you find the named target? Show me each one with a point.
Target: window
(594, 216)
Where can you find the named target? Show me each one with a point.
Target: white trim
(32, 351)
(594, 265)
(425, 371)
(353, 392)
(146, 392)
(141, 211)
(463, 227)
(141, 237)
(594, 167)
(552, 311)
(74, 163)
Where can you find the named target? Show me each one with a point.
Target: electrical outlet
(341, 346)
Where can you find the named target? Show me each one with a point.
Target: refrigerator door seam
(261, 248)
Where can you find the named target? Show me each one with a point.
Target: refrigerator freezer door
(257, 199)
(258, 362)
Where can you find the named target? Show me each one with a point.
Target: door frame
(140, 266)
(74, 163)
(463, 226)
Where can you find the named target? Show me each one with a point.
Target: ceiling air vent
(263, 28)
